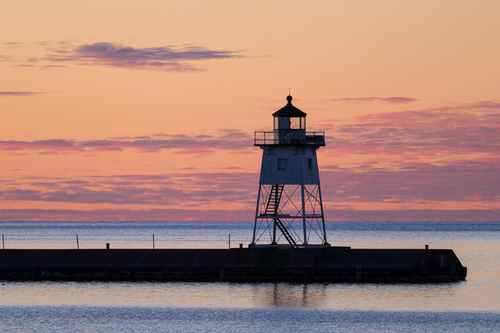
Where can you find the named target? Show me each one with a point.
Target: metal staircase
(284, 231)
(272, 207)
(273, 201)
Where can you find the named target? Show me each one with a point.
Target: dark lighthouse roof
(289, 110)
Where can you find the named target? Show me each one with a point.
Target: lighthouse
(289, 210)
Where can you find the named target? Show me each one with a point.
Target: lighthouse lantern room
(289, 206)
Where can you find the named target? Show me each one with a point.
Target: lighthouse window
(298, 123)
(295, 123)
(310, 163)
(281, 163)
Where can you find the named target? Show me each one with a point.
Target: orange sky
(145, 110)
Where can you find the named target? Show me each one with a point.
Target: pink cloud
(457, 181)
(163, 190)
(190, 196)
(186, 144)
(163, 58)
(417, 215)
(446, 154)
(124, 214)
(389, 100)
(465, 129)
(19, 93)
(13, 44)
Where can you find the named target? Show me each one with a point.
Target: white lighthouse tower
(289, 207)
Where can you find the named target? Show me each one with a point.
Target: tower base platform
(239, 264)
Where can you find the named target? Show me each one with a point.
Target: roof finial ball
(289, 99)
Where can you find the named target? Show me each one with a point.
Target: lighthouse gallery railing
(288, 137)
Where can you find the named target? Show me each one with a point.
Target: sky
(145, 110)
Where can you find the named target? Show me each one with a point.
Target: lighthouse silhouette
(289, 209)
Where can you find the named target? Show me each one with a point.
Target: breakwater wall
(239, 264)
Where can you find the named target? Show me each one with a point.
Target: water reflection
(288, 295)
(391, 297)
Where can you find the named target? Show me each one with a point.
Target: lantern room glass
(286, 123)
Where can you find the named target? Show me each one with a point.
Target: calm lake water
(472, 305)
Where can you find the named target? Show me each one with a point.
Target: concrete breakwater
(239, 264)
